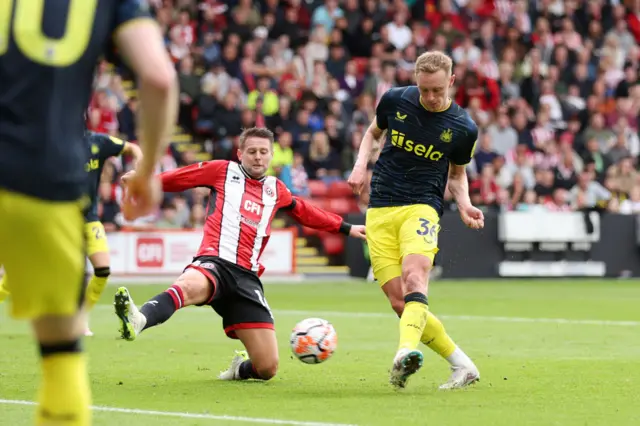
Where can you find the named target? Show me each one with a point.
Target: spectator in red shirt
(486, 185)
(103, 116)
(476, 86)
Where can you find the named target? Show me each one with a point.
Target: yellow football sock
(65, 395)
(94, 289)
(436, 338)
(3, 288)
(412, 323)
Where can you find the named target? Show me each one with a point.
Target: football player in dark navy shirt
(429, 141)
(101, 147)
(48, 53)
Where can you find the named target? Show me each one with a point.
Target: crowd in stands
(552, 84)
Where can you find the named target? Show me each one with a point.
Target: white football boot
(233, 372)
(406, 363)
(131, 320)
(461, 377)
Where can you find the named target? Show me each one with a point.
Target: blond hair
(434, 61)
(319, 147)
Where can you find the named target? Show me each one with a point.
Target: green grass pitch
(550, 353)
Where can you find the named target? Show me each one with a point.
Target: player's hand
(472, 217)
(127, 177)
(142, 195)
(357, 179)
(358, 231)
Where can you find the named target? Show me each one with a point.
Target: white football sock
(459, 359)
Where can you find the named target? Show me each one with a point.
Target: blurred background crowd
(552, 84)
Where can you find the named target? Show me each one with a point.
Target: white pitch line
(345, 314)
(465, 318)
(189, 415)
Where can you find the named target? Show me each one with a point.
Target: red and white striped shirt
(240, 210)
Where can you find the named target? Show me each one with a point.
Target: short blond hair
(434, 61)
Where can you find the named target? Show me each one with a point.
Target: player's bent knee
(415, 281)
(415, 273)
(195, 287)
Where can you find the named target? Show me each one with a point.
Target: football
(313, 340)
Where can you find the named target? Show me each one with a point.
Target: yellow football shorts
(395, 232)
(43, 252)
(96, 238)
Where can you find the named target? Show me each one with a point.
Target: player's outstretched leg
(408, 359)
(191, 288)
(259, 361)
(436, 338)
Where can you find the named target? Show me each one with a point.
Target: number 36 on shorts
(427, 230)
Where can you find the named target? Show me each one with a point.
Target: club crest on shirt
(269, 191)
(446, 136)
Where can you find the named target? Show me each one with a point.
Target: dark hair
(256, 132)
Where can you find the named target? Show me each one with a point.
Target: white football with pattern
(313, 340)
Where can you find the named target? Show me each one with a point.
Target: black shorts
(238, 296)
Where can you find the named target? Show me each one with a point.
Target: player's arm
(193, 176)
(462, 156)
(115, 147)
(140, 43)
(370, 141)
(372, 136)
(313, 217)
(459, 185)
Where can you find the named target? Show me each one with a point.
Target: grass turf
(535, 370)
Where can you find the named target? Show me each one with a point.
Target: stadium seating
(556, 117)
(340, 189)
(318, 188)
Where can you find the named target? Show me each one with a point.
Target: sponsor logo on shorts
(150, 252)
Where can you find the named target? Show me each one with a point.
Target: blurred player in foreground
(225, 272)
(45, 86)
(429, 141)
(101, 147)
